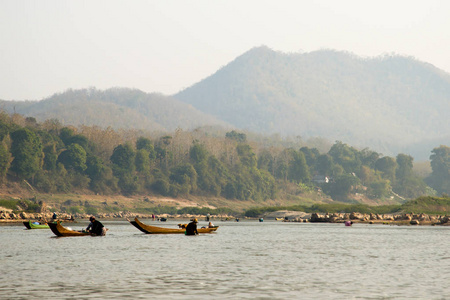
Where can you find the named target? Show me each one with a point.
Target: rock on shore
(9, 216)
(412, 219)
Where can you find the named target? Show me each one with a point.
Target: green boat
(33, 225)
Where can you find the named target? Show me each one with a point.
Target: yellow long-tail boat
(163, 230)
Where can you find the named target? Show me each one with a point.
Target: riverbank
(285, 216)
(10, 217)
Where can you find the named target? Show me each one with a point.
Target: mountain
(115, 107)
(391, 104)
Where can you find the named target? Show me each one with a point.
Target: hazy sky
(167, 45)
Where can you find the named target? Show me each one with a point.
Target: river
(243, 260)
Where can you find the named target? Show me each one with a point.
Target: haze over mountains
(390, 104)
(116, 107)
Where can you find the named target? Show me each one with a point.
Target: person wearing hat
(191, 228)
(96, 227)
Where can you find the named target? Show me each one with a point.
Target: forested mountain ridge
(390, 104)
(120, 108)
(387, 103)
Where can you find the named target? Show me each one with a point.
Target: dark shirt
(96, 227)
(191, 229)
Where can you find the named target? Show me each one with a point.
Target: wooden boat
(31, 225)
(60, 230)
(162, 230)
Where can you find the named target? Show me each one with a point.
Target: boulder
(414, 222)
(445, 219)
(423, 217)
(315, 217)
(356, 216)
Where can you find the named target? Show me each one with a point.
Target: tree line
(61, 159)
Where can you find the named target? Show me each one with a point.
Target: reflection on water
(244, 260)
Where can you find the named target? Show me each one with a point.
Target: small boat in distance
(162, 230)
(60, 230)
(35, 225)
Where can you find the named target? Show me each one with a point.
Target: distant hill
(391, 104)
(116, 107)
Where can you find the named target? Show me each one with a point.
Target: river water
(243, 260)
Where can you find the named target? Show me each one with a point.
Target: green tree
(386, 165)
(65, 134)
(5, 161)
(73, 158)
(123, 159)
(198, 153)
(265, 161)
(129, 184)
(404, 166)
(238, 137)
(407, 183)
(161, 186)
(379, 188)
(50, 157)
(324, 165)
(142, 161)
(186, 176)
(80, 140)
(246, 155)
(440, 165)
(369, 157)
(311, 155)
(342, 186)
(163, 155)
(26, 148)
(5, 125)
(143, 143)
(298, 169)
(230, 191)
(346, 156)
(101, 176)
(219, 175)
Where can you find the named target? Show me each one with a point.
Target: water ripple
(244, 260)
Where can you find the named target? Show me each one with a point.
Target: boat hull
(30, 225)
(162, 230)
(60, 230)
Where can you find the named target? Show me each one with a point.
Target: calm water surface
(245, 260)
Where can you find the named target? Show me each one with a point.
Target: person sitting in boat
(191, 228)
(210, 225)
(96, 227)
